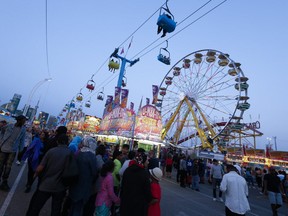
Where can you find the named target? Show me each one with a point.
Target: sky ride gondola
(165, 21)
(90, 84)
(164, 55)
(79, 96)
(88, 104)
(101, 95)
(113, 64)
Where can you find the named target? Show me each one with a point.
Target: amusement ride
(202, 100)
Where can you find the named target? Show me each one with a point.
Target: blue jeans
(195, 182)
(39, 199)
(6, 161)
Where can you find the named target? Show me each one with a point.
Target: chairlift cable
(170, 37)
(46, 37)
(180, 30)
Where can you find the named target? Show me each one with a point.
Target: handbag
(70, 173)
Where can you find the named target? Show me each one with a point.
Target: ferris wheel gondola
(201, 100)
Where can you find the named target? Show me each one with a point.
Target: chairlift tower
(123, 64)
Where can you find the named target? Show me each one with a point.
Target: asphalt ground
(176, 201)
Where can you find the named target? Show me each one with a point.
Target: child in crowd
(106, 195)
(154, 206)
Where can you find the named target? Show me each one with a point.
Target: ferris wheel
(202, 100)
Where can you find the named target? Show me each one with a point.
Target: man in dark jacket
(135, 192)
(52, 142)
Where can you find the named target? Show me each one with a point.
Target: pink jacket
(106, 194)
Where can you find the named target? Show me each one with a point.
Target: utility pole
(274, 137)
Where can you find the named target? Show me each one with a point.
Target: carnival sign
(148, 123)
(118, 122)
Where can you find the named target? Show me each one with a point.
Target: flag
(130, 43)
(147, 101)
(155, 90)
(122, 51)
(124, 97)
(131, 106)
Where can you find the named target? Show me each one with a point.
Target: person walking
(50, 185)
(106, 195)
(274, 189)
(169, 164)
(52, 142)
(154, 206)
(33, 154)
(80, 192)
(195, 175)
(236, 192)
(135, 191)
(11, 140)
(89, 207)
(27, 142)
(216, 175)
(183, 171)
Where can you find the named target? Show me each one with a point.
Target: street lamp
(27, 105)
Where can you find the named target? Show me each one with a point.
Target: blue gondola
(166, 21)
(164, 55)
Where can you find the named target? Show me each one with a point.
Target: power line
(46, 34)
(209, 11)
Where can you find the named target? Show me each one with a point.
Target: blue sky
(82, 35)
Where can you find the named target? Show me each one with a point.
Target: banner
(124, 97)
(108, 104)
(155, 90)
(117, 96)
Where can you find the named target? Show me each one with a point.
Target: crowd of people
(114, 181)
(232, 179)
(121, 181)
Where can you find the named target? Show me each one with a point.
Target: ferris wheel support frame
(179, 129)
(169, 123)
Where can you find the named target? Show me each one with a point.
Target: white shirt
(124, 167)
(236, 192)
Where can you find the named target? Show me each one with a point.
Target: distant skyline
(82, 35)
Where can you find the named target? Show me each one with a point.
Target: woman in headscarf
(87, 163)
(135, 191)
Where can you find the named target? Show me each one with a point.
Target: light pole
(27, 105)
